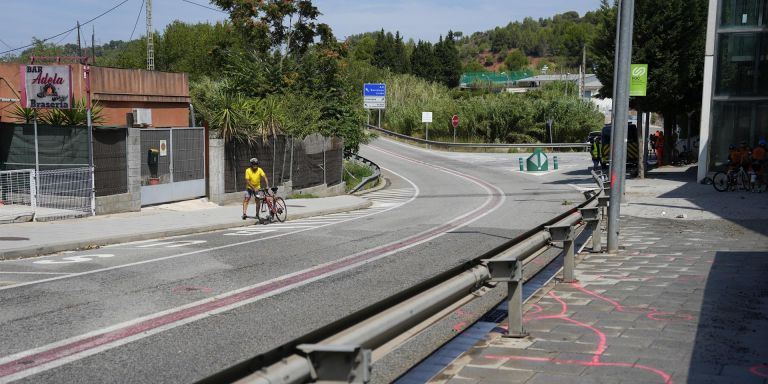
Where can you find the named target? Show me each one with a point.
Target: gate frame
(175, 190)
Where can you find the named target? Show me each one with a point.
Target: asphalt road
(177, 310)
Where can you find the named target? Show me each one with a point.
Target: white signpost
(426, 118)
(45, 86)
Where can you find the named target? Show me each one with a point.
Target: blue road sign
(374, 90)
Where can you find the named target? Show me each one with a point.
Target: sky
(21, 20)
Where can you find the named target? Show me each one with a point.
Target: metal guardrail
(370, 164)
(345, 356)
(477, 145)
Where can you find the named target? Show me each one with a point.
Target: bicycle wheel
(281, 210)
(720, 181)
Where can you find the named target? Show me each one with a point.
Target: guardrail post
(564, 233)
(603, 202)
(592, 217)
(510, 271)
(338, 363)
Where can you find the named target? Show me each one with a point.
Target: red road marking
(66, 350)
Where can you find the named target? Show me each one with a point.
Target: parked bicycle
(271, 208)
(732, 180)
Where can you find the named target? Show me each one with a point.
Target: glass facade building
(736, 78)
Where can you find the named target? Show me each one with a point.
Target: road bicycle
(732, 180)
(272, 207)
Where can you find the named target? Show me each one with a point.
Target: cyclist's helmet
(761, 142)
(731, 146)
(254, 161)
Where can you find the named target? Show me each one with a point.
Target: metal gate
(173, 165)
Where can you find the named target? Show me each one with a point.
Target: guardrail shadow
(732, 332)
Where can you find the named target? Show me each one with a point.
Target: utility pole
(619, 137)
(150, 42)
(583, 71)
(93, 45)
(79, 46)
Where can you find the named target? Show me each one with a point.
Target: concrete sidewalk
(32, 239)
(684, 301)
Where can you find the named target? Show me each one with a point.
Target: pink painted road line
(103, 339)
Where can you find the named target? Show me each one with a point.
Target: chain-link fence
(312, 161)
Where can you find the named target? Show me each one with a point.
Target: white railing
(52, 194)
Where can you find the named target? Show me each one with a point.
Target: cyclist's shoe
(245, 216)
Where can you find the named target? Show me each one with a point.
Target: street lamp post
(549, 126)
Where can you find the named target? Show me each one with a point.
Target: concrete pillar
(133, 151)
(216, 170)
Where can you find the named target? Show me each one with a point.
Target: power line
(204, 6)
(69, 30)
(4, 43)
(137, 20)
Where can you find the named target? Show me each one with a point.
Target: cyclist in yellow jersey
(253, 175)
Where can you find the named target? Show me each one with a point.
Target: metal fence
(110, 161)
(49, 194)
(312, 161)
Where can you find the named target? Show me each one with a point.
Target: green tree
(424, 62)
(449, 61)
(266, 25)
(516, 61)
(669, 35)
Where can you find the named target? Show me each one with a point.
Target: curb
(382, 184)
(23, 253)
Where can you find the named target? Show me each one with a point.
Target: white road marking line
(92, 351)
(155, 244)
(195, 252)
(185, 243)
(250, 233)
(75, 259)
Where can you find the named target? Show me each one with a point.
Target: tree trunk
(670, 120)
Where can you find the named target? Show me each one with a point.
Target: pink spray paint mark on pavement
(650, 313)
(460, 326)
(596, 360)
(760, 370)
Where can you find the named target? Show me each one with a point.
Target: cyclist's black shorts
(251, 193)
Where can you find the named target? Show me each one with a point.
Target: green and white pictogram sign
(638, 79)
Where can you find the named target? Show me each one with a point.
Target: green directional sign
(638, 80)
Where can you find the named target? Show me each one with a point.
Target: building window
(741, 65)
(742, 13)
(734, 122)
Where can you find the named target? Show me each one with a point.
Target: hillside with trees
(557, 42)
